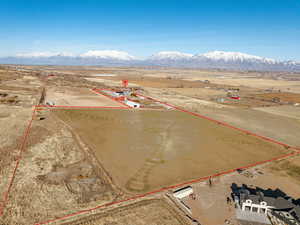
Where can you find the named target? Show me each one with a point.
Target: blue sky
(266, 28)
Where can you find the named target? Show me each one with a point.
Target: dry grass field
(286, 111)
(253, 82)
(283, 97)
(146, 150)
(204, 93)
(78, 97)
(74, 160)
(146, 212)
(57, 175)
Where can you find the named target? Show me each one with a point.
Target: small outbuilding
(50, 103)
(132, 104)
(183, 192)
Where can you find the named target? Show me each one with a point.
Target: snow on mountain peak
(214, 59)
(108, 54)
(44, 54)
(234, 56)
(171, 55)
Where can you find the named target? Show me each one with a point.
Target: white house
(256, 206)
(261, 206)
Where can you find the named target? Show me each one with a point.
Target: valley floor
(70, 155)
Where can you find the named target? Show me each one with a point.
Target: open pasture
(146, 150)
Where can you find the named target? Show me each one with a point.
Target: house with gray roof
(259, 206)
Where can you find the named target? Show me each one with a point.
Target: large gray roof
(281, 203)
(272, 198)
(269, 200)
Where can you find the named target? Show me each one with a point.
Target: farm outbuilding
(184, 192)
(132, 104)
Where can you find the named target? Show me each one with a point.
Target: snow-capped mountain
(171, 55)
(104, 54)
(213, 60)
(92, 57)
(242, 61)
(44, 54)
(235, 56)
(169, 58)
(221, 60)
(108, 54)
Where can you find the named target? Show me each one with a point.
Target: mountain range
(210, 60)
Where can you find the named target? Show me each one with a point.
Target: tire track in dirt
(139, 182)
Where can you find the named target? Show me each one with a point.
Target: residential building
(256, 205)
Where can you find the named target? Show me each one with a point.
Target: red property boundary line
(296, 151)
(22, 148)
(223, 123)
(166, 189)
(96, 91)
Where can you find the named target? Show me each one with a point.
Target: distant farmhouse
(258, 206)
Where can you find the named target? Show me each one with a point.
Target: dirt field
(17, 94)
(280, 175)
(291, 98)
(282, 128)
(13, 122)
(56, 175)
(83, 162)
(145, 150)
(156, 82)
(254, 82)
(285, 111)
(146, 212)
(78, 97)
(205, 93)
(109, 83)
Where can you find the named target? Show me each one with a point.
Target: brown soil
(284, 97)
(78, 97)
(272, 125)
(212, 199)
(290, 167)
(203, 93)
(145, 150)
(59, 174)
(162, 82)
(55, 176)
(145, 212)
